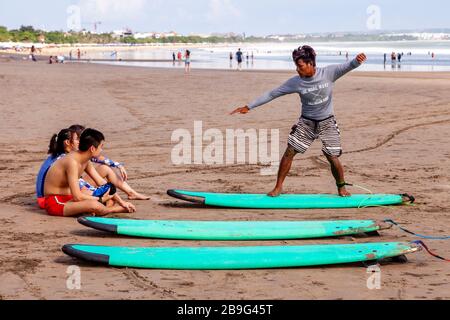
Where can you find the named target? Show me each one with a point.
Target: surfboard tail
(70, 250)
(98, 226)
(193, 199)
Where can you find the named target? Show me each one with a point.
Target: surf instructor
(315, 88)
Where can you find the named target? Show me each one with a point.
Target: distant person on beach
(393, 57)
(432, 55)
(187, 61)
(346, 56)
(315, 88)
(174, 57)
(32, 53)
(399, 57)
(62, 193)
(179, 56)
(50, 60)
(70, 55)
(239, 59)
(385, 58)
(78, 53)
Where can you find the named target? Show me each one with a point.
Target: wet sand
(395, 129)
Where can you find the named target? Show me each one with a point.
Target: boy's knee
(104, 170)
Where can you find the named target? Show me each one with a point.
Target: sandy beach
(395, 133)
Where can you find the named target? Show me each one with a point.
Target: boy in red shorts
(63, 196)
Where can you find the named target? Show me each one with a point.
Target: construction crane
(95, 24)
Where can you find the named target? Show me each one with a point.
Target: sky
(252, 17)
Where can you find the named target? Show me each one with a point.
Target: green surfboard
(210, 258)
(232, 230)
(290, 201)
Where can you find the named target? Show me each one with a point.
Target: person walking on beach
(315, 88)
(187, 61)
(78, 53)
(32, 53)
(239, 59)
(385, 58)
(173, 58)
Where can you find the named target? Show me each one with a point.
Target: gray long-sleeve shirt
(315, 92)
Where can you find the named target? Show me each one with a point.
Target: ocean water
(417, 55)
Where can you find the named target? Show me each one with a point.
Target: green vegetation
(29, 34)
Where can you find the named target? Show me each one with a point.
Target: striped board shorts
(307, 130)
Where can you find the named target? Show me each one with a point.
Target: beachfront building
(122, 33)
(201, 35)
(285, 37)
(144, 35)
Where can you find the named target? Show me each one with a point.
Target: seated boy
(63, 196)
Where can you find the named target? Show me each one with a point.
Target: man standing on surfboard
(315, 87)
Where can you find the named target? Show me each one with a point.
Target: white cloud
(221, 9)
(111, 9)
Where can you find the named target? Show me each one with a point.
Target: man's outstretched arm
(339, 70)
(286, 88)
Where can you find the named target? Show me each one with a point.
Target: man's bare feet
(275, 192)
(138, 196)
(343, 192)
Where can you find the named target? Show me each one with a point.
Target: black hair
(78, 128)
(90, 137)
(306, 53)
(56, 146)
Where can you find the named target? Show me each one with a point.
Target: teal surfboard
(191, 258)
(232, 230)
(290, 201)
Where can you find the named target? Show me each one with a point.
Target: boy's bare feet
(138, 196)
(129, 207)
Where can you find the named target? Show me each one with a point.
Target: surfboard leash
(423, 245)
(416, 234)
